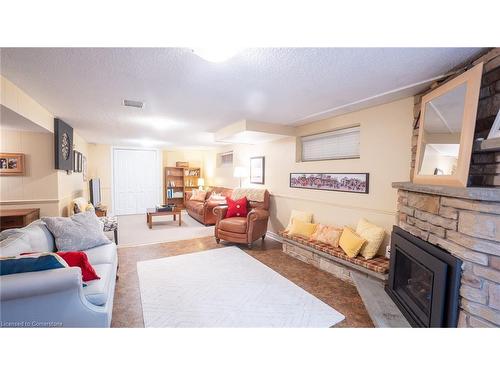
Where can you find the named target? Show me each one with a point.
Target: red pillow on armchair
(237, 208)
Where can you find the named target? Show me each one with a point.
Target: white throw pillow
(216, 197)
(305, 217)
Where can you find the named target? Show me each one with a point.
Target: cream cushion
(305, 217)
(374, 236)
(327, 234)
(82, 205)
(216, 197)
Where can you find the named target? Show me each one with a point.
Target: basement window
(225, 159)
(333, 145)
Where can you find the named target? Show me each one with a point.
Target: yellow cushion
(305, 217)
(374, 236)
(350, 242)
(302, 229)
(327, 234)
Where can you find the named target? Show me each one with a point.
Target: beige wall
(386, 132)
(38, 188)
(42, 186)
(204, 159)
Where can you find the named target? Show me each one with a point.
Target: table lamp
(201, 183)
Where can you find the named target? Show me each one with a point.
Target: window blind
(337, 144)
(226, 158)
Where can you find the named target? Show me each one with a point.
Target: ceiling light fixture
(163, 124)
(216, 54)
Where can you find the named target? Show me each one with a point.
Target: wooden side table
(18, 218)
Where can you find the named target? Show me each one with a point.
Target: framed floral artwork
(347, 182)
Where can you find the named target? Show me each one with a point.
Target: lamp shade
(201, 182)
(239, 172)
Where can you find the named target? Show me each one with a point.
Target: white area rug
(133, 230)
(225, 288)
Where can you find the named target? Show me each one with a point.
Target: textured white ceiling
(188, 98)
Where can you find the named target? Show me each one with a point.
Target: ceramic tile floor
(343, 297)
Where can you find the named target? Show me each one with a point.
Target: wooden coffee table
(150, 212)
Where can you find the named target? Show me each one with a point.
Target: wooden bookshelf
(178, 181)
(191, 176)
(174, 186)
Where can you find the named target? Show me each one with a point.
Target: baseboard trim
(274, 236)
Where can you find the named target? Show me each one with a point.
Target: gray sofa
(55, 297)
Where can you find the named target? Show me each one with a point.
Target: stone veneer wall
(485, 166)
(470, 230)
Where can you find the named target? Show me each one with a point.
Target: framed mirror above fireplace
(446, 131)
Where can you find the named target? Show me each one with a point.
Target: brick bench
(333, 259)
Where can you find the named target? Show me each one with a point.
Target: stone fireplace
(465, 222)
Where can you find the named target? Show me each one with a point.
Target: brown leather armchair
(243, 229)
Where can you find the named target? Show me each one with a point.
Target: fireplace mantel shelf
(475, 193)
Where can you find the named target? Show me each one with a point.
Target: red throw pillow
(79, 259)
(237, 208)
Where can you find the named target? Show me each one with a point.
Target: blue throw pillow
(30, 263)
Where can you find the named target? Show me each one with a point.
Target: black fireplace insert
(424, 281)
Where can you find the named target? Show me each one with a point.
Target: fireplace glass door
(413, 282)
(417, 281)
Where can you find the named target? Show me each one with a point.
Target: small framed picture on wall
(257, 170)
(11, 164)
(84, 167)
(75, 161)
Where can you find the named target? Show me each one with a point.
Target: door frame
(159, 163)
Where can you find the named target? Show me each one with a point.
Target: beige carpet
(225, 288)
(133, 230)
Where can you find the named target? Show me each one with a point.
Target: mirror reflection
(442, 127)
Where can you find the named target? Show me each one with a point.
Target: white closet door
(136, 180)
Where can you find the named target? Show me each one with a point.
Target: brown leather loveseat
(244, 229)
(203, 210)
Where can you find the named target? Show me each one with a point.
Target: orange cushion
(327, 234)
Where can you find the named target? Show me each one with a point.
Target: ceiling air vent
(133, 103)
